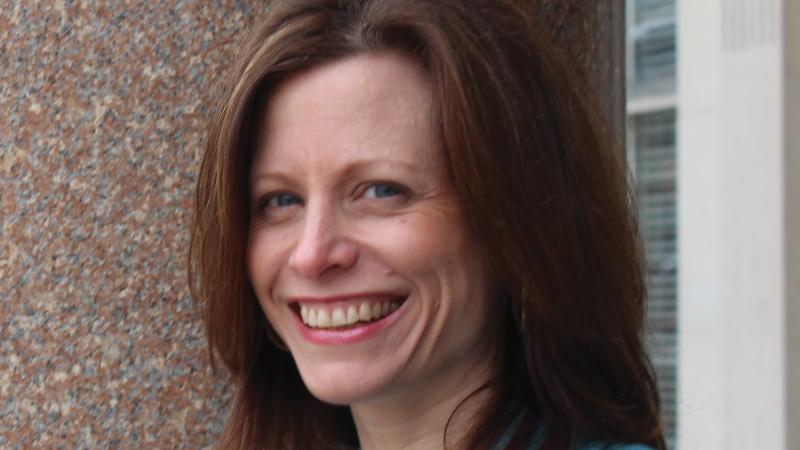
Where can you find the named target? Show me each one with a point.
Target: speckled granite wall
(102, 112)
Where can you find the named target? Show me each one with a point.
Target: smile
(343, 316)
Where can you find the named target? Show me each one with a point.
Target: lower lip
(331, 336)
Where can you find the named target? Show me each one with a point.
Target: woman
(412, 230)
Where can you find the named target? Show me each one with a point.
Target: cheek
(430, 248)
(262, 263)
(413, 245)
(253, 260)
(262, 259)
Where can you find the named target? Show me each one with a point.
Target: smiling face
(358, 252)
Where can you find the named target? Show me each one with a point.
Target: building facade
(651, 107)
(714, 143)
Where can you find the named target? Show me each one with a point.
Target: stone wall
(102, 114)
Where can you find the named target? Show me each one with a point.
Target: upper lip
(344, 297)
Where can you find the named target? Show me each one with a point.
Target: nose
(321, 247)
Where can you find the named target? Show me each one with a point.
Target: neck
(415, 418)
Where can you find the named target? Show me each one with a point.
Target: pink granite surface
(102, 112)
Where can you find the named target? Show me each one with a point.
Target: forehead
(373, 105)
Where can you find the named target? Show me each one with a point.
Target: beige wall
(102, 111)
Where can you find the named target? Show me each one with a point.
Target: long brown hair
(544, 187)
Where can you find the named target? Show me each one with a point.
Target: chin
(342, 383)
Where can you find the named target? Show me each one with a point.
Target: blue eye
(270, 203)
(282, 200)
(382, 191)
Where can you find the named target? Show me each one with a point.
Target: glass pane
(654, 162)
(652, 39)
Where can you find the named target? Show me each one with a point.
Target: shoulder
(580, 445)
(606, 446)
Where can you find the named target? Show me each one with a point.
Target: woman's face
(358, 251)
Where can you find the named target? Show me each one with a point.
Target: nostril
(309, 258)
(314, 258)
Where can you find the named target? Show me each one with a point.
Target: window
(654, 154)
(651, 30)
(651, 153)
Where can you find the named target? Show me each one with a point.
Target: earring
(523, 318)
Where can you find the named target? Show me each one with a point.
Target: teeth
(323, 319)
(351, 315)
(304, 314)
(364, 313)
(376, 311)
(338, 318)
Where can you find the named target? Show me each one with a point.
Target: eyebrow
(267, 175)
(354, 167)
(366, 163)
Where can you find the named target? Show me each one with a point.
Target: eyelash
(264, 203)
(398, 190)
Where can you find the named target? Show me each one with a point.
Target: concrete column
(737, 226)
(792, 204)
